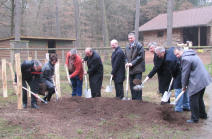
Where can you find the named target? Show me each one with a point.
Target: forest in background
(87, 20)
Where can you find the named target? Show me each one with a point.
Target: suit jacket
(118, 65)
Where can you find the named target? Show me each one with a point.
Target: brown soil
(69, 115)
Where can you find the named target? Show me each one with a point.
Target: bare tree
(137, 14)
(18, 4)
(77, 22)
(105, 35)
(57, 20)
(169, 22)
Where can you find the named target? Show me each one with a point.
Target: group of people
(183, 66)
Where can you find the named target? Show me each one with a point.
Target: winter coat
(174, 68)
(164, 76)
(47, 74)
(194, 74)
(118, 65)
(135, 54)
(78, 68)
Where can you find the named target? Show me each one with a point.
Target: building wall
(151, 36)
(209, 41)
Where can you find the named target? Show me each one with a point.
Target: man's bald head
(88, 51)
(114, 43)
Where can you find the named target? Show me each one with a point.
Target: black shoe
(185, 109)
(24, 106)
(204, 117)
(191, 121)
(35, 106)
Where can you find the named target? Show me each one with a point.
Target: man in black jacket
(31, 71)
(47, 76)
(95, 71)
(135, 60)
(164, 76)
(118, 68)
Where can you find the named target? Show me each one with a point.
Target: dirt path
(205, 131)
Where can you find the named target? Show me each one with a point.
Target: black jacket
(94, 64)
(136, 56)
(48, 72)
(174, 68)
(118, 65)
(28, 72)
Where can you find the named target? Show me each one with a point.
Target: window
(160, 33)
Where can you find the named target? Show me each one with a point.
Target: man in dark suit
(95, 71)
(135, 60)
(118, 68)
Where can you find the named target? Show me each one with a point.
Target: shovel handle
(178, 97)
(170, 84)
(111, 77)
(37, 96)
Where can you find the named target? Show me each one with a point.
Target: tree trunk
(169, 22)
(58, 31)
(77, 22)
(18, 4)
(105, 35)
(137, 14)
(12, 17)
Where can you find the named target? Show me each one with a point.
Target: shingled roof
(185, 18)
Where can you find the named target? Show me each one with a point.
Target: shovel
(109, 88)
(67, 74)
(127, 84)
(140, 86)
(167, 94)
(178, 97)
(87, 92)
(36, 95)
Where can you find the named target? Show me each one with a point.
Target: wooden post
(36, 54)
(63, 57)
(28, 87)
(12, 76)
(4, 77)
(19, 79)
(57, 77)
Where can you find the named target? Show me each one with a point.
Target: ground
(78, 117)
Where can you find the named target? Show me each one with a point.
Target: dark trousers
(119, 89)
(50, 88)
(136, 95)
(197, 106)
(32, 88)
(95, 85)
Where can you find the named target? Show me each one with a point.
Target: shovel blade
(87, 93)
(109, 89)
(166, 96)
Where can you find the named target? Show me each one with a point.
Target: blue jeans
(77, 86)
(183, 102)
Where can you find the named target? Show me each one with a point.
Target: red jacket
(78, 66)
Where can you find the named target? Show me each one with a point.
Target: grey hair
(73, 51)
(152, 44)
(89, 48)
(37, 63)
(114, 41)
(179, 48)
(159, 49)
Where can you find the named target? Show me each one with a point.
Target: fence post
(4, 77)
(57, 78)
(19, 79)
(12, 75)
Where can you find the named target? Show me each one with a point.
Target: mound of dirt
(110, 114)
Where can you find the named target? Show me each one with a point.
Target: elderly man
(164, 76)
(31, 71)
(135, 60)
(173, 66)
(118, 68)
(73, 61)
(195, 78)
(95, 71)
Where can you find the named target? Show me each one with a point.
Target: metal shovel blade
(166, 96)
(109, 89)
(87, 93)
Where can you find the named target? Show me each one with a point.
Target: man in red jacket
(74, 64)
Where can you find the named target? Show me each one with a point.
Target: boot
(35, 106)
(49, 97)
